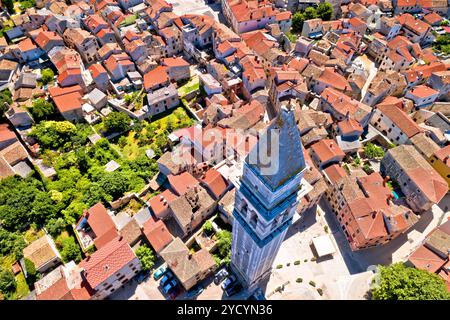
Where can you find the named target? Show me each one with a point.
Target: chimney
(120, 238)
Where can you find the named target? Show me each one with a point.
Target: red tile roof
(423, 91)
(157, 234)
(444, 155)
(106, 261)
(27, 45)
(6, 133)
(182, 183)
(160, 202)
(175, 62)
(96, 69)
(407, 125)
(425, 259)
(156, 77)
(68, 102)
(215, 181)
(335, 172)
(102, 224)
(327, 149)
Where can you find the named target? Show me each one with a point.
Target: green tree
(208, 227)
(56, 226)
(115, 184)
(373, 151)
(399, 282)
(9, 4)
(310, 13)
(70, 250)
(325, 11)
(146, 256)
(47, 75)
(7, 281)
(11, 243)
(32, 274)
(224, 245)
(442, 43)
(116, 122)
(5, 100)
(297, 22)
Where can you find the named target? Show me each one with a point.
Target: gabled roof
(107, 261)
(157, 234)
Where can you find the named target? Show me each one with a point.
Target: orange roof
(422, 91)
(334, 79)
(157, 234)
(335, 172)
(175, 62)
(58, 91)
(215, 182)
(425, 259)
(407, 125)
(45, 37)
(160, 202)
(68, 102)
(156, 77)
(182, 183)
(26, 45)
(416, 25)
(327, 149)
(96, 69)
(349, 126)
(101, 224)
(444, 155)
(107, 261)
(433, 18)
(6, 133)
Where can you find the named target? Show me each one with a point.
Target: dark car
(222, 274)
(228, 282)
(194, 291)
(167, 277)
(170, 286)
(232, 290)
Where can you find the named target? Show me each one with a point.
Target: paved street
(331, 274)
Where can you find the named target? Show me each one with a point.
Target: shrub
(299, 280)
(312, 283)
(32, 274)
(399, 282)
(320, 291)
(288, 264)
(306, 260)
(7, 281)
(55, 226)
(47, 75)
(325, 228)
(146, 256)
(70, 250)
(208, 227)
(296, 263)
(373, 151)
(116, 122)
(313, 259)
(279, 266)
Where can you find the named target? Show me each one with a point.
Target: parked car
(228, 282)
(174, 293)
(194, 291)
(170, 286)
(165, 278)
(159, 273)
(233, 289)
(142, 276)
(222, 274)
